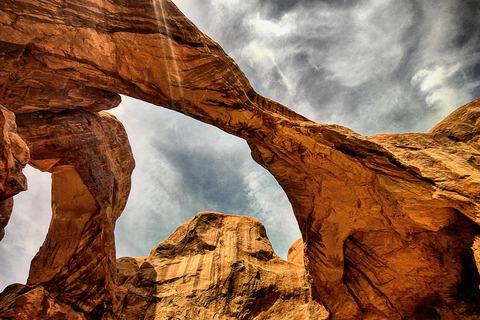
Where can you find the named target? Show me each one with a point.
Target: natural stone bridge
(387, 220)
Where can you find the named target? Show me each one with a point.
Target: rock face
(15, 155)
(295, 252)
(214, 266)
(371, 197)
(90, 160)
(388, 221)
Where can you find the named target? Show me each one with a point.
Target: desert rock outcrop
(15, 155)
(365, 205)
(295, 252)
(90, 159)
(215, 266)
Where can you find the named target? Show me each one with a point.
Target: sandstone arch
(343, 187)
(90, 160)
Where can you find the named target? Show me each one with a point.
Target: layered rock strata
(73, 274)
(14, 156)
(214, 266)
(365, 205)
(295, 252)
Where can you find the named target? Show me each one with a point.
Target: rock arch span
(365, 205)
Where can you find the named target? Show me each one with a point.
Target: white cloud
(441, 88)
(369, 43)
(263, 59)
(434, 78)
(265, 28)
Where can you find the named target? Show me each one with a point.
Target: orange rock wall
(14, 156)
(90, 160)
(215, 266)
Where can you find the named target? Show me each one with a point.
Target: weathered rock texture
(14, 156)
(214, 266)
(387, 221)
(295, 252)
(90, 160)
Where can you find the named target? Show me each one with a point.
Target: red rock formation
(382, 217)
(214, 266)
(295, 252)
(18, 302)
(90, 160)
(388, 186)
(14, 157)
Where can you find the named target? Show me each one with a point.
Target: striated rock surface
(14, 156)
(295, 252)
(386, 199)
(21, 302)
(476, 251)
(6, 207)
(214, 266)
(90, 160)
(388, 221)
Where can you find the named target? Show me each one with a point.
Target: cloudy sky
(372, 65)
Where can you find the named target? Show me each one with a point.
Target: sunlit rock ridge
(388, 221)
(214, 266)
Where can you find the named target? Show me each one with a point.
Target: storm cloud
(373, 66)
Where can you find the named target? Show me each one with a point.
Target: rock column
(90, 160)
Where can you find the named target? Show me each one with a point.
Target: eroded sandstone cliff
(214, 266)
(388, 221)
(73, 274)
(14, 156)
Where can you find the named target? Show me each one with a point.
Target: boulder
(295, 252)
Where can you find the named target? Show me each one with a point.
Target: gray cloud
(26, 229)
